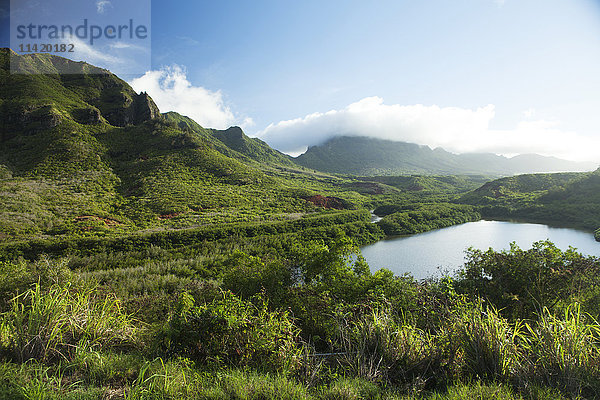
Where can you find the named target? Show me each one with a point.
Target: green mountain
(84, 154)
(254, 148)
(430, 184)
(571, 199)
(368, 156)
(233, 142)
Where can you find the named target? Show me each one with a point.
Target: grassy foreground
(309, 323)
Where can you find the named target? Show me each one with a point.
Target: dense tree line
(424, 217)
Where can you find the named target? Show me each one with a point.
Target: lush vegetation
(566, 199)
(83, 155)
(143, 256)
(430, 185)
(309, 322)
(416, 218)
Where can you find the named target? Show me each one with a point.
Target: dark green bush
(231, 331)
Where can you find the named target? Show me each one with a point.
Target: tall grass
(564, 352)
(178, 378)
(377, 348)
(51, 324)
(232, 331)
(488, 343)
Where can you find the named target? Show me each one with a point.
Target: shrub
(18, 276)
(231, 331)
(376, 348)
(522, 282)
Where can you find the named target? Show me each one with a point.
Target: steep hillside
(84, 154)
(368, 156)
(233, 142)
(253, 148)
(511, 187)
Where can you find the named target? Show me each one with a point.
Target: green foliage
(482, 391)
(489, 344)
(19, 276)
(432, 184)
(523, 282)
(167, 380)
(232, 331)
(247, 275)
(376, 347)
(563, 352)
(424, 217)
(566, 199)
(252, 148)
(85, 156)
(241, 288)
(173, 239)
(105, 367)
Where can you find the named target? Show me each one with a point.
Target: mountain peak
(7, 51)
(87, 94)
(46, 64)
(234, 132)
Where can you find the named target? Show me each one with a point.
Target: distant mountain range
(368, 157)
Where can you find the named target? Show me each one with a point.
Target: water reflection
(430, 253)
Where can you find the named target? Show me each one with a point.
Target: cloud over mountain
(455, 129)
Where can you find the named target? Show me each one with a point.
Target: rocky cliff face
(39, 98)
(144, 108)
(32, 118)
(87, 116)
(123, 107)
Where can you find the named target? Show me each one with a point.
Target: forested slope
(568, 199)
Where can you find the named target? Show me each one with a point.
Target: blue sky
(509, 76)
(112, 34)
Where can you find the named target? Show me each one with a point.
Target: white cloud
(102, 6)
(455, 129)
(83, 51)
(129, 46)
(124, 59)
(188, 40)
(171, 90)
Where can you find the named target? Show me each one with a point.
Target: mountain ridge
(79, 150)
(361, 155)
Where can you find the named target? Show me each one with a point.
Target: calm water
(430, 253)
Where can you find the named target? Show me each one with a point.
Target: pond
(443, 250)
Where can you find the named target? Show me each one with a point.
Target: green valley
(144, 256)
